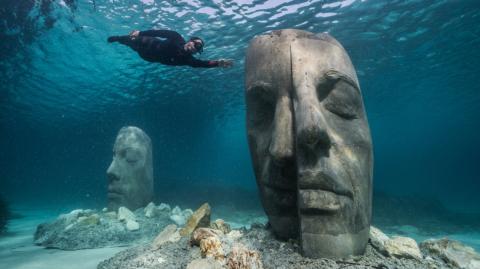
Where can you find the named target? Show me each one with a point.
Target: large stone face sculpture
(130, 175)
(309, 141)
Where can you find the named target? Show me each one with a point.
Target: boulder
(125, 214)
(221, 225)
(202, 233)
(93, 219)
(242, 258)
(451, 252)
(378, 239)
(403, 247)
(212, 247)
(200, 218)
(151, 210)
(180, 217)
(132, 225)
(164, 207)
(169, 234)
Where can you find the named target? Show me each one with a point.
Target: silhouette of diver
(174, 50)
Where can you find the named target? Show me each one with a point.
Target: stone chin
(309, 141)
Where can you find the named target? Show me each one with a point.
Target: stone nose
(313, 137)
(112, 174)
(281, 143)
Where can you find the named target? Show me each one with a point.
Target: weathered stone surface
(221, 225)
(164, 207)
(200, 218)
(151, 210)
(309, 141)
(130, 175)
(93, 219)
(204, 264)
(180, 217)
(169, 234)
(274, 254)
(125, 214)
(378, 239)
(242, 258)
(132, 225)
(452, 252)
(212, 247)
(202, 233)
(403, 247)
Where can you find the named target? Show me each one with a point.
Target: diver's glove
(225, 63)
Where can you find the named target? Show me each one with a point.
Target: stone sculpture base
(272, 253)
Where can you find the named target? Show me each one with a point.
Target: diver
(174, 50)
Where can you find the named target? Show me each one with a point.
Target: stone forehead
(289, 35)
(333, 62)
(132, 136)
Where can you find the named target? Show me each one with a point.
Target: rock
(378, 239)
(403, 247)
(234, 235)
(202, 233)
(111, 215)
(125, 214)
(93, 219)
(132, 225)
(180, 217)
(104, 210)
(169, 234)
(452, 252)
(221, 225)
(212, 247)
(164, 207)
(204, 264)
(71, 217)
(242, 258)
(151, 210)
(200, 218)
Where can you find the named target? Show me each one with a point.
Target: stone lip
(273, 253)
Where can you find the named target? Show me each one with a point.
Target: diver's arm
(208, 64)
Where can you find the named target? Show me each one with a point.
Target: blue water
(65, 92)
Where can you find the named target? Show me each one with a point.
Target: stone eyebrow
(259, 85)
(335, 75)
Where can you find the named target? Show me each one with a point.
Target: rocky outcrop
(398, 246)
(83, 229)
(452, 252)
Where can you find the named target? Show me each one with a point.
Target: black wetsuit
(169, 51)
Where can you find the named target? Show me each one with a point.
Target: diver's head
(194, 45)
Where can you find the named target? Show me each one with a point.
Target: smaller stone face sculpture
(130, 175)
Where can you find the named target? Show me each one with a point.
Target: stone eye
(343, 100)
(261, 107)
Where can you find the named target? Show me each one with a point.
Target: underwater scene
(239, 134)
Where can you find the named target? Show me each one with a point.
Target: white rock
(132, 225)
(378, 239)
(403, 247)
(178, 219)
(164, 207)
(452, 252)
(105, 209)
(150, 210)
(71, 217)
(176, 211)
(234, 234)
(125, 214)
(169, 234)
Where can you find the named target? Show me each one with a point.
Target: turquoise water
(65, 92)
